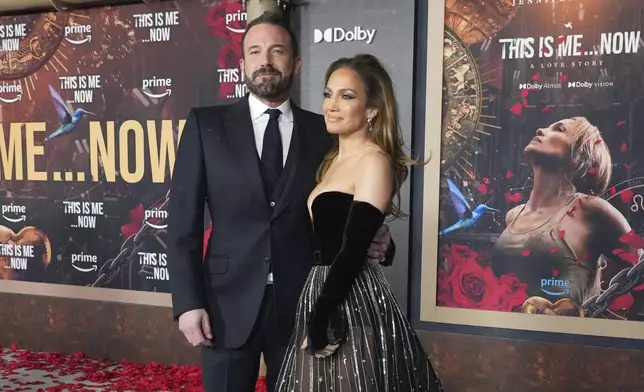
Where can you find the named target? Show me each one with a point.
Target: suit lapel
(239, 128)
(287, 184)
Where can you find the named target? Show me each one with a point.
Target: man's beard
(269, 88)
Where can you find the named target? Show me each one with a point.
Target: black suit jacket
(217, 162)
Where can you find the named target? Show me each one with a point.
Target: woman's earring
(369, 121)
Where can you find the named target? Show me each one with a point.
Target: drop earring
(369, 121)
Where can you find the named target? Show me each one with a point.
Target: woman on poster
(560, 239)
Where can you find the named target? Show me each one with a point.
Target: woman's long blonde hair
(385, 128)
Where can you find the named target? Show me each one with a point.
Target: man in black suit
(254, 163)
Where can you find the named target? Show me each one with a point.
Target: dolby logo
(338, 34)
(538, 86)
(530, 86)
(580, 84)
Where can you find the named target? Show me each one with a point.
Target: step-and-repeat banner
(92, 106)
(541, 205)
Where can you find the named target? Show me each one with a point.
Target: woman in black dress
(350, 333)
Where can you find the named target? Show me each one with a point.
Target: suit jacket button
(272, 204)
(267, 260)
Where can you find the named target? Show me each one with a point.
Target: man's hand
(195, 326)
(380, 244)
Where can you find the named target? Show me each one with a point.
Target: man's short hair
(276, 20)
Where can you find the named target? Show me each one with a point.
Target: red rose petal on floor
(620, 123)
(624, 147)
(509, 174)
(526, 253)
(554, 250)
(561, 233)
(91, 374)
(598, 142)
(592, 171)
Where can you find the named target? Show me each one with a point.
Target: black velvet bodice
(330, 211)
(343, 229)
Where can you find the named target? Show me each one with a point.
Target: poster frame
(433, 317)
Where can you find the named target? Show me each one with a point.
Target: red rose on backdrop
(221, 25)
(466, 284)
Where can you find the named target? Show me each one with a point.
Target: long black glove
(363, 222)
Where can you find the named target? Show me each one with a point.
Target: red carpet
(26, 370)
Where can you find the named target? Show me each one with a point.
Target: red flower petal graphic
(517, 109)
(626, 195)
(622, 302)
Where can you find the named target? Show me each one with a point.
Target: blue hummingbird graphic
(466, 217)
(68, 120)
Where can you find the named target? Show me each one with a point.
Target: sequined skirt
(380, 353)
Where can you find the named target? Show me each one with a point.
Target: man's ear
(297, 67)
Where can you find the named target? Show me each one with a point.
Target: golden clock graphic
(468, 109)
(44, 35)
(462, 91)
(466, 112)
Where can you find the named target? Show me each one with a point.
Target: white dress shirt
(260, 121)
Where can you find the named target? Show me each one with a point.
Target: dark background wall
(392, 44)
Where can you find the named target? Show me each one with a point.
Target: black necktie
(272, 156)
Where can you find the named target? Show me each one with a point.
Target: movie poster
(542, 170)
(92, 107)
